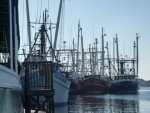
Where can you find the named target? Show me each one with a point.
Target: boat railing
(38, 75)
(5, 64)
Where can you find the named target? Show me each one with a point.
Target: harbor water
(108, 103)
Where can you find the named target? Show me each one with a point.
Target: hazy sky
(124, 17)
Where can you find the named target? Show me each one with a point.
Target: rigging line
(124, 49)
(5, 40)
(23, 22)
(71, 37)
(61, 28)
(48, 11)
(22, 32)
(60, 41)
(41, 9)
(37, 8)
(59, 36)
(37, 15)
(48, 5)
(70, 41)
(62, 25)
(93, 37)
(63, 17)
(50, 28)
(68, 34)
(110, 49)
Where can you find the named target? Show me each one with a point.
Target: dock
(38, 87)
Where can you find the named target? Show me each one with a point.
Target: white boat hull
(10, 91)
(61, 87)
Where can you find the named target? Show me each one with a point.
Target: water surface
(108, 103)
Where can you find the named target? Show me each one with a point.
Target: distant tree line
(144, 83)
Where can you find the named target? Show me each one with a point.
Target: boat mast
(78, 48)
(57, 27)
(42, 38)
(137, 53)
(96, 55)
(90, 58)
(103, 52)
(10, 31)
(16, 42)
(114, 51)
(109, 70)
(82, 50)
(73, 57)
(134, 46)
(28, 25)
(117, 50)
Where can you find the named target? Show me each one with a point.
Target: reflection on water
(94, 104)
(107, 103)
(61, 109)
(131, 106)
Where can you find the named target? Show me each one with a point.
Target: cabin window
(125, 77)
(130, 77)
(116, 78)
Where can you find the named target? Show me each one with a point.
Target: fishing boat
(126, 81)
(61, 84)
(40, 53)
(94, 82)
(68, 60)
(10, 86)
